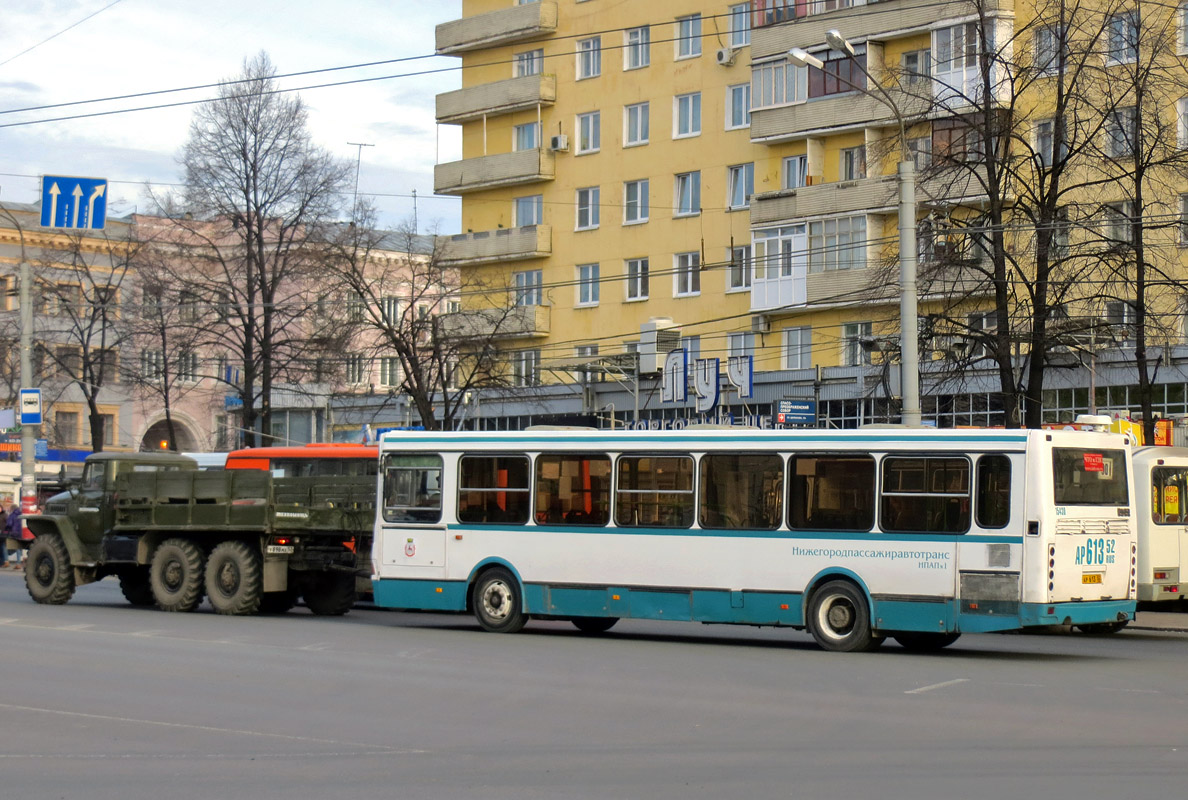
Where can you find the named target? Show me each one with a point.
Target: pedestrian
(12, 530)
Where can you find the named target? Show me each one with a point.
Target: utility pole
(358, 164)
(28, 491)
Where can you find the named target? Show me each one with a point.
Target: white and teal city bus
(856, 535)
(1161, 514)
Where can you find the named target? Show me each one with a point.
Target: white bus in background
(855, 535)
(1161, 495)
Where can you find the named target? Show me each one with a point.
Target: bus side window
(412, 488)
(742, 491)
(994, 492)
(831, 492)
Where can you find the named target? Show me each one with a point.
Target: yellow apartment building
(642, 176)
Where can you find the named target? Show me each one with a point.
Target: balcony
(487, 172)
(503, 244)
(500, 97)
(517, 322)
(859, 23)
(507, 25)
(831, 114)
(825, 199)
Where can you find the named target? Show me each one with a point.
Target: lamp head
(802, 58)
(838, 42)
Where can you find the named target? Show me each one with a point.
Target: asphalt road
(103, 700)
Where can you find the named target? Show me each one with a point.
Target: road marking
(146, 633)
(207, 728)
(942, 685)
(315, 647)
(82, 626)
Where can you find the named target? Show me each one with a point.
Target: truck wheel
(176, 575)
(233, 579)
(497, 604)
(49, 577)
(329, 594)
(134, 583)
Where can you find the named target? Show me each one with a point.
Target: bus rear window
(1169, 487)
(1083, 477)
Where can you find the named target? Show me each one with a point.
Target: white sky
(148, 45)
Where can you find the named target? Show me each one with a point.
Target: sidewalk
(1160, 621)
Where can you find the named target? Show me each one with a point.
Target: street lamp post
(909, 348)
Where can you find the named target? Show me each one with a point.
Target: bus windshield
(1089, 477)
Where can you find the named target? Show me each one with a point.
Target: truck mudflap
(41, 524)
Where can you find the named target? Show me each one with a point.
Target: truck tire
(134, 584)
(176, 575)
(49, 577)
(329, 594)
(234, 578)
(277, 602)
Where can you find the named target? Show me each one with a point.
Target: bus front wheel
(498, 606)
(839, 619)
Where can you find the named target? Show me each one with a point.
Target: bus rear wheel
(1103, 627)
(498, 606)
(594, 624)
(839, 620)
(926, 642)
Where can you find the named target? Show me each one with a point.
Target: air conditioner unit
(657, 337)
(726, 56)
(559, 143)
(760, 323)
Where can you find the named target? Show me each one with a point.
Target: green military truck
(172, 533)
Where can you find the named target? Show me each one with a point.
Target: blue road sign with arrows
(73, 202)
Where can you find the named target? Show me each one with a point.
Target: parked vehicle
(172, 533)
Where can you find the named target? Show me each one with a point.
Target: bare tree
(405, 297)
(255, 186)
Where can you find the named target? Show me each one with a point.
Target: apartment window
(187, 306)
(108, 422)
(852, 163)
(778, 83)
(389, 371)
(527, 137)
(152, 365)
(853, 336)
(637, 48)
(1182, 123)
(528, 287)
(1119, 315)
(587, 278)
(1122, 32)
(1046, 149)
(687, 194)
(635, 202)
(635, 124)
(587, 208)
(983, 327)
(956, 141)
(1049, 49)
(692, 347)
(66, 427)
(740, 24)
(686, 274)
(955, 62)
(779, 252)
(795, 172)
(688, 43)
(1119, 219)
(356, 369)
(917, 66)
(686, 115)
(391, 307)
(837, 244)
(1061, 243)
(740, 344)
(1122, 132)
(738, 106)
(109, 362)
(739, 276)
(740, 185)
(798, 348)
(589, 127)
(586, 353)
(1184, 220)
(356, 308)
(589, 58)
(637, 279)
(187, 367)
(529, 210)
(529, 63)
(842, 73)
(921, 152)
(524, 365)
(1182, 43)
